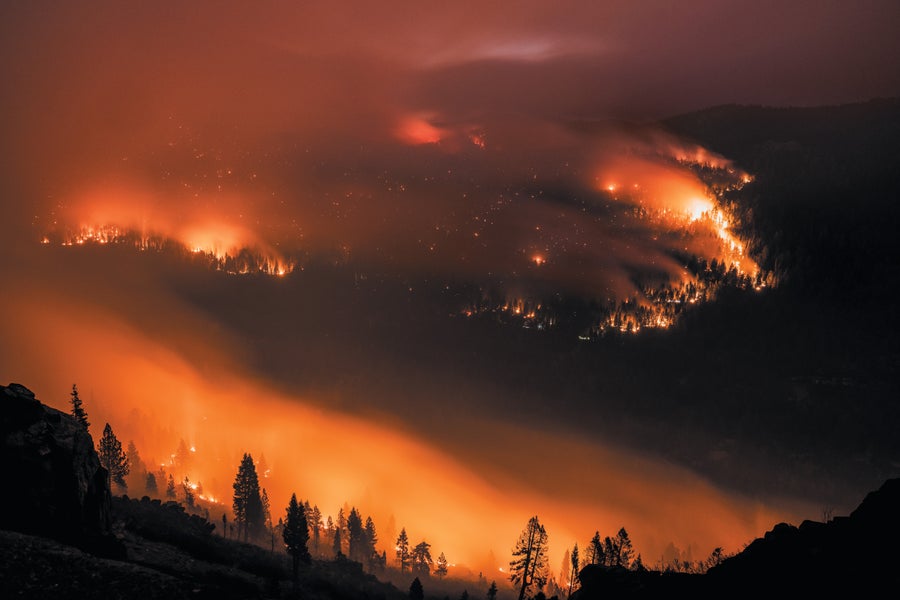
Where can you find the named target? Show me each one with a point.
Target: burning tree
(421, 558)
(528, 568)
(441, 570)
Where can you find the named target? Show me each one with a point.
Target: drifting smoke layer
(608, 215)
(447, 151)
(131, 376)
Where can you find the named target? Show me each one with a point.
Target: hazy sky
(464, 141)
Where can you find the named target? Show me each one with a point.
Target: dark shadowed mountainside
(852, 556)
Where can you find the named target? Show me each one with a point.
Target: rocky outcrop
(55, 486)
(854, 556)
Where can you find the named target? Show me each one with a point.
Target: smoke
(160, 371)
(476, 146)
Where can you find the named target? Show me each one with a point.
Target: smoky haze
(409, 150)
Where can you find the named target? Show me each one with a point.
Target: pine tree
(151, 486)
(421, 558)
(492, 591)
(441, 570)
(188, 493)
(315, 522)
(267, 515)
(371, 538)
(78, 409)
(416, 592)
(247, 502)
(356, 548)
(528, 569)
(625, 551)
(183, 457)
(403, 550)
(170, 488)
(345, 532)
(573, 574)
(113, 458)
(336, 545)
(296, 535)
(596, 555)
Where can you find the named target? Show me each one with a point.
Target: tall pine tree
(356, 548)
(296, 535)
(112, 457)
(528, 568)
(247, 502)
(403, 550)
(78, 409)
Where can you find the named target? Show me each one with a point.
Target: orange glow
(538, 260)
(122, 214)
(697, 207)
(468, 506)
(417, 130)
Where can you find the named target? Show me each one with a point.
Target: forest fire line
(660, 304)
(234, 260)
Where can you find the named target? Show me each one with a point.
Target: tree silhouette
(371, 538)
(623, 550)
(296, 535)
(247, 503)
(441, 570)
(315, 523)
(596, 555)
(356, 548)
(170, 488)
(528, 568)
(336, 546)
(150, 485)
(267, 516)
(188, 493)
(136, 465)
(492, 591)
(421, 558)
(403, 550)
(415, 590)
(78, 409)
(573, 574)
(113, 458)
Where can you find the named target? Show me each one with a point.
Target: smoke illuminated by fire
(156, 397)
(155, 151)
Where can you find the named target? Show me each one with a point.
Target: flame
(417, 130)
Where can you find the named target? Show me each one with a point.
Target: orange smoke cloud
(159, 382)
(418, 130)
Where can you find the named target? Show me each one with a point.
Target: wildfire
(221, 248)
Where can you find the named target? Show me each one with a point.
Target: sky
(513, 144)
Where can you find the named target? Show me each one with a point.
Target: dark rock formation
(54, 484)
(848, 555)
(854, 556)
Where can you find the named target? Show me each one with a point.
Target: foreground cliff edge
(63, 535)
